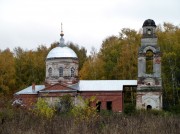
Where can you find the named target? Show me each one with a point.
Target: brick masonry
(104, 96)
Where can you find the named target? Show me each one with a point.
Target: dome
(61, 52)
(149, 22)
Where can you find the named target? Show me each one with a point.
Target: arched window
(72, 72)
(149, 62)
(50, 72)
(60, 72)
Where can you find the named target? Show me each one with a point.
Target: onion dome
(149, 22)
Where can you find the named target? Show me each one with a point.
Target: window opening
(72, 72)
(149, 62)
(50, 72)
(98, 106)
(148, 31)
(109, 105)
(60, 72)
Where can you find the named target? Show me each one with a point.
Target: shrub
(129, 108)
(106, 113)
(43, 109)
(152, 112)
(65, 104)
(84, 112)
(23, 121)
(175, 109)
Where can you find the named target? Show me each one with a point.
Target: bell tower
(149, 86)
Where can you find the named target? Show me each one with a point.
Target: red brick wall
(56, 94)
(28, 99)
(115, 96)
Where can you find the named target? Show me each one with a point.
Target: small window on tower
(149, 31)
(72, 72)
(60, 72)
(50, 72)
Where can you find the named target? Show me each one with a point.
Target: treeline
(117, 59)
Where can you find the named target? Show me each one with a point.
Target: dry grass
(22, 122)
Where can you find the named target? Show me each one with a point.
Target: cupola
(61, 64)
(149, 27)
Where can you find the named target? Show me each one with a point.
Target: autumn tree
(30, 66)
(169, 41)
(93, 67)
(7, 72)
(80, 51)
(127, 63)
(110, 54)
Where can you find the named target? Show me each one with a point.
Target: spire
(61, 44)
(62, 34)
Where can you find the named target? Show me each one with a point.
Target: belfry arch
(149, 61)
(149, 48)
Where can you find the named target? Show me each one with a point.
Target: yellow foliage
(43, 109)
(85, 112)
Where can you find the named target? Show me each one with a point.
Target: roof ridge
(59, 83)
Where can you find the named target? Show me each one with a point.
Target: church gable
(57, 90)
(58, 87)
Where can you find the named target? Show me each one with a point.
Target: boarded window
(109, 105)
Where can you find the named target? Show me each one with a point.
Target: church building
(62, 79)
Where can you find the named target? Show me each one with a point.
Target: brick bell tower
(149, 88)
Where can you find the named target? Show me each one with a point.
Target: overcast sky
(29, 23)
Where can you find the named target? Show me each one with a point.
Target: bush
(85, 112)
(43, 109)
(175, 109)
(24, 122)
(106, 112)
(65, 104)
(129, 108)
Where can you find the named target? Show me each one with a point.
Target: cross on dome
(62, 34)
(61, 43)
